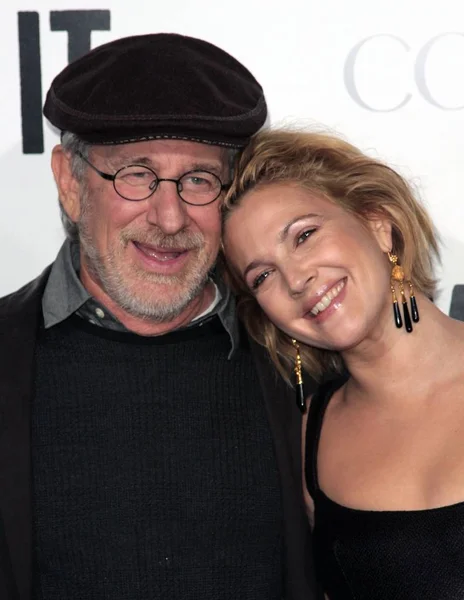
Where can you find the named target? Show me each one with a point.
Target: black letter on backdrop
(31, 82)
(79, 24)
(457, 303)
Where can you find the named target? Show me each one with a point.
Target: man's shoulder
(25, 300)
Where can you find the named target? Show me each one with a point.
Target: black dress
(382, 555)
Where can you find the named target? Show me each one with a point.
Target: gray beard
(104, 269)
(155, 310)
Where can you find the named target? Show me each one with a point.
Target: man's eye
(135, 178)
(257, 281)
(137, 175)
(304, 235)
(198, 180)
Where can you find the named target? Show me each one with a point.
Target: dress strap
(317, 408)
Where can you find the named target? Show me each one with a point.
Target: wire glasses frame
(138, 182)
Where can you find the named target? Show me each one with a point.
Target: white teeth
(325, 301)
(162, 256)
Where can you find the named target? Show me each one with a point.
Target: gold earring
(397, 277)
(300, 397)
(394, 274)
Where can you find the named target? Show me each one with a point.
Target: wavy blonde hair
(334, 169)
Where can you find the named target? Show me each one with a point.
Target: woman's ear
(68, 187)
(381, 228)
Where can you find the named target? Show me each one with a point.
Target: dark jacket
(20, 316)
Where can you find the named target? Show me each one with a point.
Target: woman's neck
(393, 364)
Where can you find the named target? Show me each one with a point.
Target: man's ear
(381, 228)
(68, 187)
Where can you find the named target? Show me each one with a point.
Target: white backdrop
(389, 76)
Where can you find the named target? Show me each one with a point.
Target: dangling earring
(414, 309)
(300, 397)
(396, 308)
(397, 276)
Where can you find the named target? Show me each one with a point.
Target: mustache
(156, 237)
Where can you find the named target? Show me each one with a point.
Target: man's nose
(166, 209)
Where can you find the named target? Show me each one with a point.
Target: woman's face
(319, 273)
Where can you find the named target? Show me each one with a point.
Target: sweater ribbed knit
(154, 474)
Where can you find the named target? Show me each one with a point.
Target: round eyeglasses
(138, 182)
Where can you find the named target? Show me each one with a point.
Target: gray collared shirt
(65, 295)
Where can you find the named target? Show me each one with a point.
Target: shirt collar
(65, 295)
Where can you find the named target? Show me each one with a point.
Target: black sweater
(154, 473)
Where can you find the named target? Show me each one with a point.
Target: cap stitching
(167, 137)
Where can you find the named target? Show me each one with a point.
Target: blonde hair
(336, 170)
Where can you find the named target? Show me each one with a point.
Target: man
(146, 449)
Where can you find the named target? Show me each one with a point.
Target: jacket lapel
(285, 422)
(20, 315)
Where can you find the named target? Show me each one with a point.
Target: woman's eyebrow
(284, 233)
(251, 266)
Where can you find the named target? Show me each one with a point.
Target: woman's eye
(257, 281)
(304, 235)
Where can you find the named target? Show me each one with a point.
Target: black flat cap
(157, 86)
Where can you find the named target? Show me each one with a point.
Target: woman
(332, 257)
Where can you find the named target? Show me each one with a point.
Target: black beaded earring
(300, 397)
(397, 277)
(414, 309)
